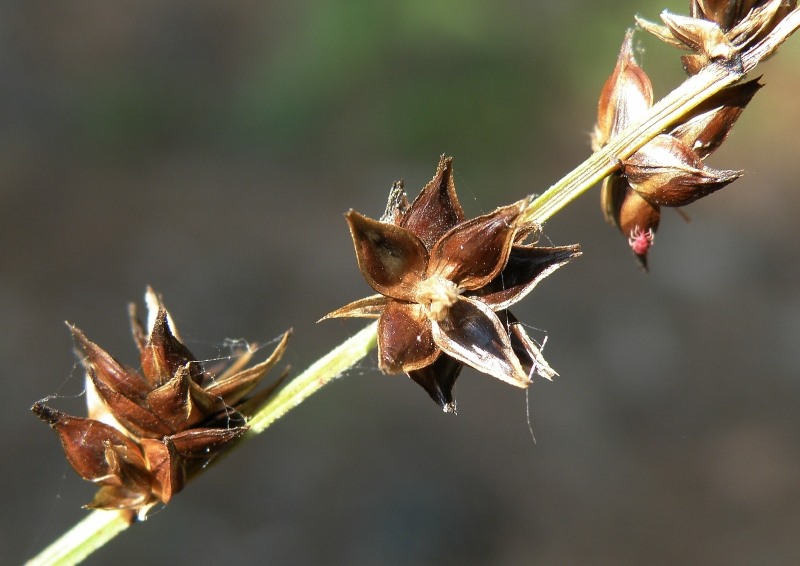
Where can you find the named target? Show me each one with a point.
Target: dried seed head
(702, 36)
(669, 170)
(148, 432)
(443, 282)
(719, 30)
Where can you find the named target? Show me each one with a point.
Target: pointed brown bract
(147, 433)
(444, 283)
(163, 354)
(436, 209)
(626, 95)
(665, 172)
(669, 170)
(709, 124)
(438, 379)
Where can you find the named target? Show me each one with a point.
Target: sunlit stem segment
(322, 372)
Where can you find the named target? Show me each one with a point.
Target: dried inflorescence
(444, 286)
(147, 433)
(669, 170)
(719, 30)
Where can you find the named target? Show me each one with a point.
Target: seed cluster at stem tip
(669, 170)
(714, 75)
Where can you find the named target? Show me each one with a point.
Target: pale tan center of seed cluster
(437, 295)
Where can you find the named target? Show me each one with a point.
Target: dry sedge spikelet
(147, 433)
(669, 170)
(444, 286)
(718, 30)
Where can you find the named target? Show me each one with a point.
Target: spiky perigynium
(444, 286)
(147, 433)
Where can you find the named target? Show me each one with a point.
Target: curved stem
(101, 526)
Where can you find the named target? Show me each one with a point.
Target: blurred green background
(210, 148)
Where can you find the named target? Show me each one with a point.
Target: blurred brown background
(209, 149)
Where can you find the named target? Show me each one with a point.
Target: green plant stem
(101, 526)
(320, 373)
(92, 532)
